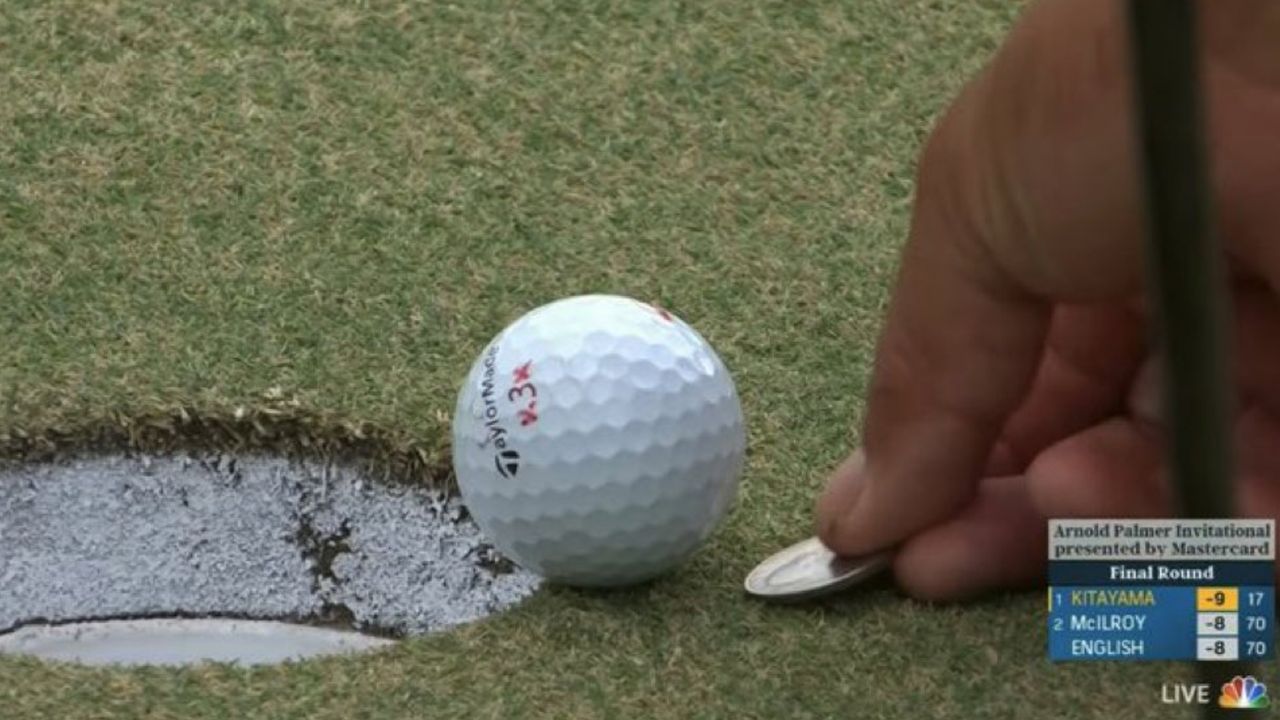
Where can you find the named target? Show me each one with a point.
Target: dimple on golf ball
(598, 440)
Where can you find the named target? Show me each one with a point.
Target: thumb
(959, 349)
(1025, 197)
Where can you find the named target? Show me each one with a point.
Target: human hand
(1012, 382)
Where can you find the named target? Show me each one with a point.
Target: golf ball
(598, 441)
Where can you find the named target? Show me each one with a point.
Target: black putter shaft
(1186, 272)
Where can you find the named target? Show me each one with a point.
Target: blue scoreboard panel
(1161, 590)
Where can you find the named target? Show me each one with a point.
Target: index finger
(1026, 196)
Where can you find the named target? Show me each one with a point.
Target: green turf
(294, 222)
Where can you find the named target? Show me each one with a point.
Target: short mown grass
(262, 223)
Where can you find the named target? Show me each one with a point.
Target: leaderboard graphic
(1162, 590)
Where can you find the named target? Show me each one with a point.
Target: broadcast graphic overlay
(1162, 590)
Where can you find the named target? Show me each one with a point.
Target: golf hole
(139, 560)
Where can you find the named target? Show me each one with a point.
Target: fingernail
(840, 495)
(1146, 394)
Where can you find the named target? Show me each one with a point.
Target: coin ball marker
(808, 570)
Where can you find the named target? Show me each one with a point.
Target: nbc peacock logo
(1244, 693)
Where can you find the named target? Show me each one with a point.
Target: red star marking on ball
(522, 373)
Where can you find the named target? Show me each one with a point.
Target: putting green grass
(264, 223)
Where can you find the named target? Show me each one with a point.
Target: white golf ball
(598, 441)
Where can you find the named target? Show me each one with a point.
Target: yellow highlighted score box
(1221, 599)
